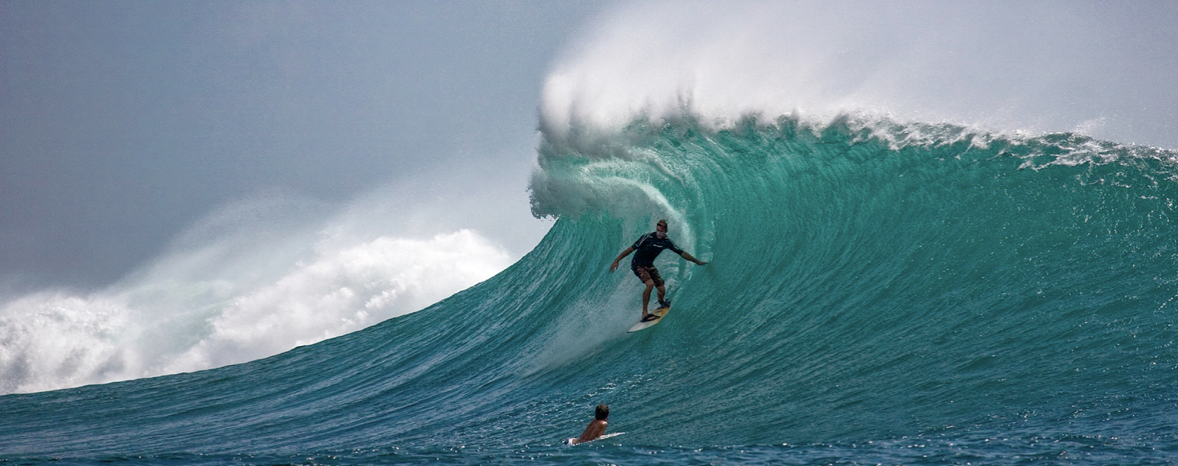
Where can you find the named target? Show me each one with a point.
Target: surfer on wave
(648, 247)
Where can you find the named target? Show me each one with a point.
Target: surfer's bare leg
(646, 297)
(662, 294)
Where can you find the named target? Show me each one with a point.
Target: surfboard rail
(661, 312)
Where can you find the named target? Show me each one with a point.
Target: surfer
(595, 428)
(649, 246)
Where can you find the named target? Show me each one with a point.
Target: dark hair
(602, 412)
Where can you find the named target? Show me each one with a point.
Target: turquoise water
(878, 293)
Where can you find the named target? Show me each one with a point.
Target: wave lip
(1037, 68)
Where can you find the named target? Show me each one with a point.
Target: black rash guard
(648, 247)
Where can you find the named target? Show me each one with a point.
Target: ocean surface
(878, 292)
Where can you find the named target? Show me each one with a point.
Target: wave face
(876, 290)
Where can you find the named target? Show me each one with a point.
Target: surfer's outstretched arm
(687, 255)
(626, 252)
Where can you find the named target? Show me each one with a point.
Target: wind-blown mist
(1102, 69)
(254, 279)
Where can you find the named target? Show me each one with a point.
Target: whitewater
(886, 284)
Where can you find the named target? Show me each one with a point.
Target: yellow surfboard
(661, 312)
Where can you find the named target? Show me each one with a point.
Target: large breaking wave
(868, 281)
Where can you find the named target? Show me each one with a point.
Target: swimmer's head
(602, 412)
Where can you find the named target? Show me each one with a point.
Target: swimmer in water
(595, 428)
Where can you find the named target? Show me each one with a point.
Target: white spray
(1100, 68)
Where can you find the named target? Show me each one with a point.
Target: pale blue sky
(122, 123)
